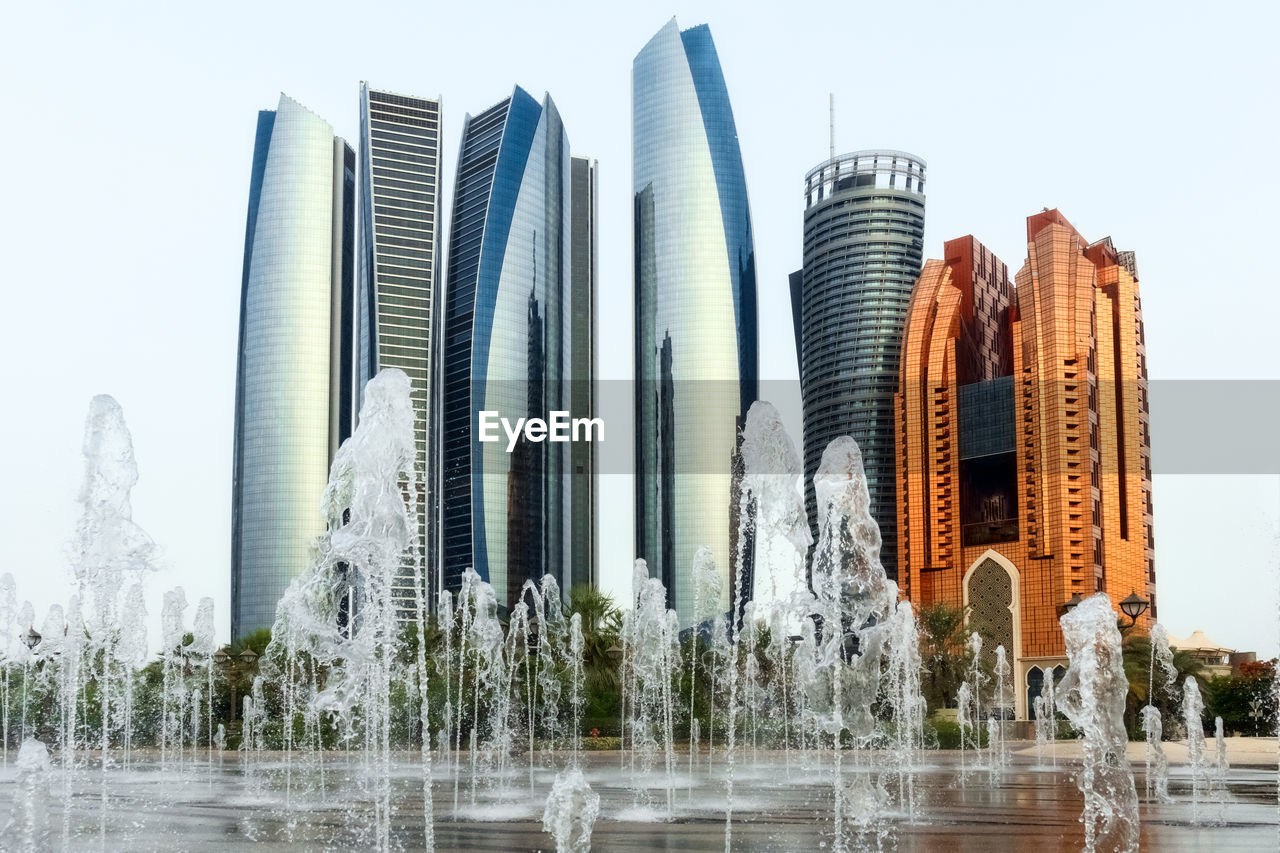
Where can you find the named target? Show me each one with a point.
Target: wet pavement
(778, 806)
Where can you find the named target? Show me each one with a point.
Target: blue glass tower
(506, 346)
(695, 297)
(295, 358)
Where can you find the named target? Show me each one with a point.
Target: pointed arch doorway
(992, 594)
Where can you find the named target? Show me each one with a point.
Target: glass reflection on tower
(695, 297)
(294, 359)
(506, 346)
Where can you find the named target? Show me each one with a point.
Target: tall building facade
(295, 359)
(1024, 473)
(584, 549)
(507, 350)
(696, 357)
(863, 247)
(398, 297)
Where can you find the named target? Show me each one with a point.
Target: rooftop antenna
(831, 103)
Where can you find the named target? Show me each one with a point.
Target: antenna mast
(831, 102)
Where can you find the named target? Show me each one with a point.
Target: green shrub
(947, 734)
(600, 743)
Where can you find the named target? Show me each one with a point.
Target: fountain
(964, 700)
(1218, 779)
(1157, 775)
(334, 639)
(571, 812)
(1092, 695)
(706, 603)
(854, 601)
(977, 678)
(1001, 702)
(1157, 763)
(1197, 761)
(366, 703)
(28, 829)
(650, 659)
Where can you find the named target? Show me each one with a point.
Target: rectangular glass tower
(400, 280)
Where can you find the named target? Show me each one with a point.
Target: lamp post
(229, 665)
(1133, 606)
(223, 662)
(1072, 603)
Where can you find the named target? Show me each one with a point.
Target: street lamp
(1072, 603)
(1133, 606)
(227, 665)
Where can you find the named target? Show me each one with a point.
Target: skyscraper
(695, 294)
(584, 554)
(863, 245)
(294, 359)
(507, 332)
(399, 280)
(1024, 466)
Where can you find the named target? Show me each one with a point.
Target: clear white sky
(129, 132)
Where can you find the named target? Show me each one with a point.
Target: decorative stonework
(990, 602)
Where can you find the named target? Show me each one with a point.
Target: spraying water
(28, 829)
(1157, 763)
(1193, 715)
(571, 812)
(1092, 695)
(108, 551)
(1218, 782)
(336, 628)
(1042, 728)
(706, 601)
(772, 468)
(977, 678)
(576, 699)
(854, 600)
(964, 702)
(650, 660)
(1002, 702)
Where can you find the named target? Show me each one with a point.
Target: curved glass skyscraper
(863, 247)
(294, 362)
(507, 325)
(695, 295)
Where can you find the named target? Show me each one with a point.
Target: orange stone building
(1023, 451)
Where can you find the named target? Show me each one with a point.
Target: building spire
(831, 107)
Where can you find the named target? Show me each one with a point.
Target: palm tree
(944, 650)
(1137, 669)
(601, 624)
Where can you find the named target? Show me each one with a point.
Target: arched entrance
(1035, 683)
(991, 599)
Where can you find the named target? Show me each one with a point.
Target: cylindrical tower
(863, 248)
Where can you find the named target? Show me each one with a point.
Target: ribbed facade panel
(400, 281)
(584, 552)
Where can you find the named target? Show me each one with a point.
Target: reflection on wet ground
(778, 806)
